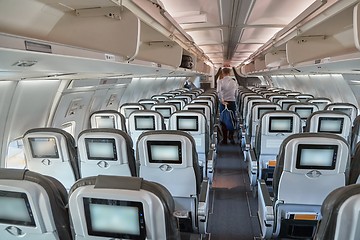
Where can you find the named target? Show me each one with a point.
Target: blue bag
(227, 117)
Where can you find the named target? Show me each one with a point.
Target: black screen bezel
(268, 109)
(23, 196)
(312, 146)
(195, 118)
(34, 155)
(99, 140)
(321, 119)
(280, 118)
(87, 201)
(136, 118)
(164, 143)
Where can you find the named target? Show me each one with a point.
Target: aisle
(233, 214)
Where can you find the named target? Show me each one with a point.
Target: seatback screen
(144, 123)
(347, 111)
(128, 111)
(101, 149)
(285, 105)
(330, 125)
(43, 147)
(304, 112)
(261, 111)
(187, 123)
(164, 152)
(15, 209)
(105, 121)
(147, 105)
(280, 124)
(165, 112)
(311, 156)
(177, 105)
(115, 218)
(197, 109)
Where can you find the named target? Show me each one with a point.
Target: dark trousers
(227, 134)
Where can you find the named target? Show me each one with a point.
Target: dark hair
(226, 71)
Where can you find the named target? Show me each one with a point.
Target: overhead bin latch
(110, 12)
(168, 44)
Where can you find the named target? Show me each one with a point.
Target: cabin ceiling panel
(213, 48)
(207, 37)
(258, 35)
(276, 12)
(247, 47)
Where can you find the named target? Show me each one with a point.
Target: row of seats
(295, 172)
(37, 207)
(162, 156)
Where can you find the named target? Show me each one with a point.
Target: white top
(227, 89)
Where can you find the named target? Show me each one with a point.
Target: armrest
(247, 143)
(265, 210)
(203, 208)
(210, 160)
(252, 167)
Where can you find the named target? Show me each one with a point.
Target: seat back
(274, 127)
(160, 98)
(205, 101)
(140, 121)
(330, 121)
(106, 152)
(127, 108)
(148, 103)
(33, 206)
(275, 98)
(320, 102)
(167, 156)
(286, 102)
(186, 99)
(340, 211)
(195, 124)
(355, 134)
(304, 97)
(115, 207)
(165, 109)
(257, 111)
(349, 109)
(204, 109)
(179, 104)
(107, 119)
(304, 110)
(293, 94)
(250, 104)
(244, 106)
(52, 152)
(316, 164)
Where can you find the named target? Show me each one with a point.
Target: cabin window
(15, 157)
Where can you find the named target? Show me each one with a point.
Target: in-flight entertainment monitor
(43, 147)
(330, 124)
(105, 121)
(144, 123)
(15, 209)
(115, 218)
(165, 112)
(164, 152)
(304, 112)
(128, 111)
(280, 124)
(187, 123)
(263, 110)
(101, 149)
(310, 156)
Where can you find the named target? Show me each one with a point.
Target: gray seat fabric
(136, 184)
(281, 156)
(129, 144)
(355, 134)
(56, 194)
(70, 144)
(355, 166)
(330, 209)
(195, 162)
